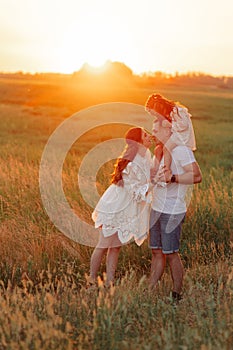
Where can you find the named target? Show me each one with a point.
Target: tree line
(120, 74)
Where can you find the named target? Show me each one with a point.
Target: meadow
(43, 295)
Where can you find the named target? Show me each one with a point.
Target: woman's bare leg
(111, 263)
(96, 260)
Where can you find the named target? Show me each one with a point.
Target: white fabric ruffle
(182, 128)
(126, 209)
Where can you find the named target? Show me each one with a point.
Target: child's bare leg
(167, 149)
(158, 152)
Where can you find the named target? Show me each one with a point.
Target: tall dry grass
(56, 313)
(43, 298)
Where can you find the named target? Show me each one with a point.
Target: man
(169, 207)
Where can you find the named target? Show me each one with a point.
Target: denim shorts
(165, 230)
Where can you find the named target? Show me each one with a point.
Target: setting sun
(93, 40)
(154, 36)
(96, 69)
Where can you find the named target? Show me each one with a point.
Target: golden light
(96, 69)
(92, 40)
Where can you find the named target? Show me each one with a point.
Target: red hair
(161, 105)
(133, 138)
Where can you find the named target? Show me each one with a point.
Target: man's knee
(174, 260)
(157, 252)
(172, 256)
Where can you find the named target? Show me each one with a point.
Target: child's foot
(161, 184)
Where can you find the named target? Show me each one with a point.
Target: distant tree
(120, 68)
(113, 73)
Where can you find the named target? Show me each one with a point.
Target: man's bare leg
(158, 264)
(177, 271)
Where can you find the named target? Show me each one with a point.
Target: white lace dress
(126, 209)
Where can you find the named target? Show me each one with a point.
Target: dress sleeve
(136, 182)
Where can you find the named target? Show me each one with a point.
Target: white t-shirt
(172, 198)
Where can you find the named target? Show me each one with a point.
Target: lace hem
(126, 226)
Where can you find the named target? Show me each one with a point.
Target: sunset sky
(148, 35)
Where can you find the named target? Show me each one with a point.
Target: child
(179, 119)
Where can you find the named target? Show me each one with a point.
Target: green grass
(43, 298)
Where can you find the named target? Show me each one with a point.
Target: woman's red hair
(133, 138)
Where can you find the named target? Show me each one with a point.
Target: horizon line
(100, 68)
(148, 73)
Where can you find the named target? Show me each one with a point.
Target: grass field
(43, 298)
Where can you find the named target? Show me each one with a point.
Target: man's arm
(192, 175)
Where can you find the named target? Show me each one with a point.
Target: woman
(122, 213)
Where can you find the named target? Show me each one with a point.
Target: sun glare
(75, 51)
(93, 40)
(96, 69)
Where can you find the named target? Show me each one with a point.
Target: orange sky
(149, 35)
